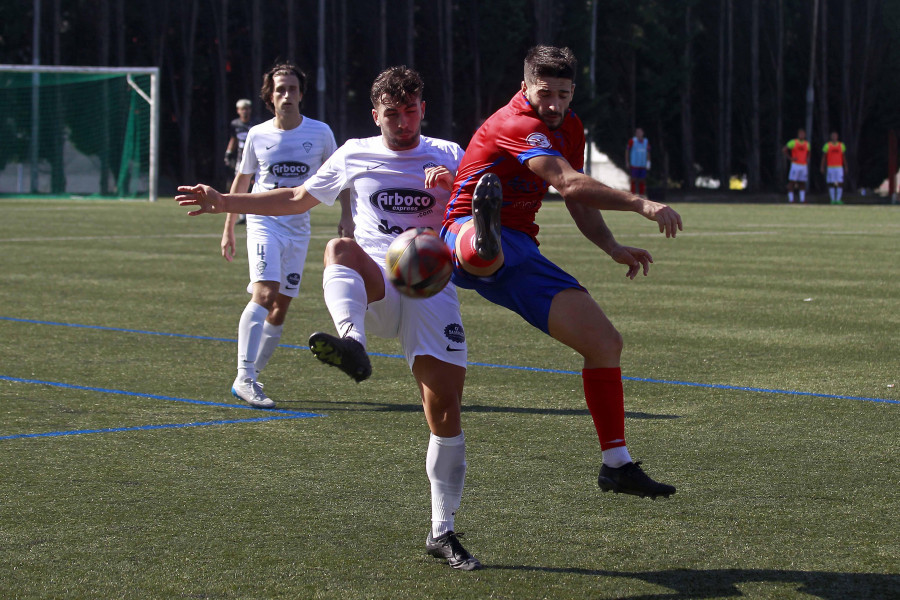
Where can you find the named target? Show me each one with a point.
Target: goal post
(79, 131)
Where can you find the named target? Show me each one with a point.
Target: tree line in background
(719, 86)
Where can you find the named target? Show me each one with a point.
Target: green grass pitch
(761, 357)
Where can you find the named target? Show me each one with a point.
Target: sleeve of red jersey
(525, 138)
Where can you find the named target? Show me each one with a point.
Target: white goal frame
(153, 99)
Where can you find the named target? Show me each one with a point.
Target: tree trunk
(753, 158)
(729, 88)
(411, 38)
(291, 30)
(341, 84)
(382, 37)
(545, 23)
(777, 154)
(120, 33)
(474, 33)
(687, 121)
(103, 24)
(825, 118)
(445, 44)
(256, 66)
(57, 171)
(219, 10)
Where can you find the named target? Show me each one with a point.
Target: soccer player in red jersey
(533, 142)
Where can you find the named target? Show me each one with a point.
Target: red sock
(606, 403)
(467, 250)
(643, 189)
(632, 186)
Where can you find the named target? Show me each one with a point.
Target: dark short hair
(268, 86)
(550, 61)
(400, 84)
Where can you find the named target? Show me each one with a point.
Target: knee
(606, 348)
(341, 251)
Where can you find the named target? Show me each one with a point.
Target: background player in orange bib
(798, 151)
(833, 158)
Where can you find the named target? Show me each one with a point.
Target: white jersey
(285, 158)
(387, 187)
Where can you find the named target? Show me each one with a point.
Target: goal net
(79, 131)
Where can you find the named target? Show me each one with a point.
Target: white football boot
(252, 393)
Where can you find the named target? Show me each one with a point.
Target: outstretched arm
(590, 222)
(578, 187)
(277, 202)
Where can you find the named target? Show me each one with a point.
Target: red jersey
(502, 145)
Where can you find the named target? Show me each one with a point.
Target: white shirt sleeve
(331, 178)
(249, 163)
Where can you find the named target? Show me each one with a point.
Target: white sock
(249, 333)
(271, 335)
(802, 195)
(790, 196)
(839, 192)
(832, 194)
(616, 457)
(445, 464)
(345, 297)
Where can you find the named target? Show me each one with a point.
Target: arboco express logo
(538, 140)
(290, 169)
(402, 201)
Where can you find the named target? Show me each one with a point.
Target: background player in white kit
(282, 153)
(397, 180)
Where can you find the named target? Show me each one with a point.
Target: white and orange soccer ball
(418, 263)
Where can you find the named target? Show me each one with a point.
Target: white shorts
(798, 173)
(424, 326)
(274, 257)
(834, 175)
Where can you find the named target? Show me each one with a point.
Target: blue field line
(489, 365)
(270, 414)
(149, 427)
(70, 386)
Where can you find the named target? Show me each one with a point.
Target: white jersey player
(280, 153)
(395, 181)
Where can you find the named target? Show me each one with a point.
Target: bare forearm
(592, 193)
(592, 225)
(277, 202)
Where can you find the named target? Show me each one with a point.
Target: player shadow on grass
(722, 583)
(350, 405)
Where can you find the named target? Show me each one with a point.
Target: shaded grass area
(779, 495)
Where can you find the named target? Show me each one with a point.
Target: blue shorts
(638, 172)
(526, 283)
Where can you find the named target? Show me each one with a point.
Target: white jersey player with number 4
(395, 181)
(280, 153)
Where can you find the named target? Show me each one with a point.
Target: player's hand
(668, 220)
(346, 226)
(438, 176)
(228, 244)
(634, 258)
(205, 198)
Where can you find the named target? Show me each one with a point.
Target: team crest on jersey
(455, 333)
(290, 169)
(402, 201)
(538, 140)
(307, 146)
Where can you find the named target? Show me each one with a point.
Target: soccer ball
(418, 263)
